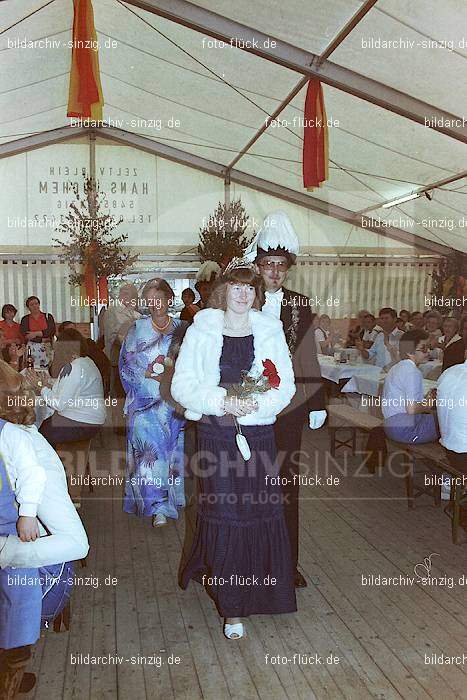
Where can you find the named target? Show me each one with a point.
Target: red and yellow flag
(315, 137)
(85, 93)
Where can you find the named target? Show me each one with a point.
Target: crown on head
(235, 263)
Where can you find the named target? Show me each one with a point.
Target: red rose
(160, 359)
(270, 372)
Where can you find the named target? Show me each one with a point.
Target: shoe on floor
(159, 520)
(300, 581)
(28, 682)
(235, 631)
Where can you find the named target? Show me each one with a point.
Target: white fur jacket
(195, 384)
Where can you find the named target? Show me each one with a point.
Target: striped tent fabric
(364, 285)
(356, 285)
(45, 279)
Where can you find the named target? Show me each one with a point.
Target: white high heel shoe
(234, 631)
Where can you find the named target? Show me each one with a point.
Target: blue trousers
(417, 428)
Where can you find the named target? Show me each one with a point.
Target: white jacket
(195, 383)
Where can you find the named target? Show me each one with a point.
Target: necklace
(161, 328)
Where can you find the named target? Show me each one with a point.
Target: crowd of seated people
(377, 338)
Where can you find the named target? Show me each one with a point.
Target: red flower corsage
(270, 372)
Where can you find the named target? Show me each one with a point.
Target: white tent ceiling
(162, 70)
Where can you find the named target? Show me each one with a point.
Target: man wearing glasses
(276, 251)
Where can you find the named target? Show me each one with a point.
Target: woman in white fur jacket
(241, 550)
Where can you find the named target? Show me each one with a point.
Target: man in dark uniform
(276, 250)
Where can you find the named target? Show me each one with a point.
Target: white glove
(317, 419)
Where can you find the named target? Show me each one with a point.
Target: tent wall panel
(359, 285)
(48, 281)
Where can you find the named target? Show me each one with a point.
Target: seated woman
(11, 329)
(76, 399)
(33, 500)
(14, 355)
(241, 536)
(405, 316)
(39, 483)
(407, 415)
(323, 335)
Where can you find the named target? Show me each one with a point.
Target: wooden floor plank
(157, 678)
(379, 635)
(130, 678)
(405, 608)
(374, 605)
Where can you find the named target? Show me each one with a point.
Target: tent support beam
(345, 31)
(256, 183)
(421, 190)
(267, 122)
(45, 138)
(296, 59)
(176, 155)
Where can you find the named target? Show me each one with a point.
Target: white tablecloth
(373, 384)
(365, 378)
(337, 371)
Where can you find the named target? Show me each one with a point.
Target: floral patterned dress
(155, 437)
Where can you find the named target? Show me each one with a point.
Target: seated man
(369, 330)
(385, 348)
(407, 415)
(451, 344)
(93, 351)
(452, 414)
(433, 323)
(416, 320)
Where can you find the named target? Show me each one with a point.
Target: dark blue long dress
(241, 549)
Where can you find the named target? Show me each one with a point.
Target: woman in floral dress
(154, 482)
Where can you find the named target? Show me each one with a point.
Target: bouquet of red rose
(269, 379)
(249, 385)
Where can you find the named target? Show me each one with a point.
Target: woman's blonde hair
(240, 275)
(16, 400)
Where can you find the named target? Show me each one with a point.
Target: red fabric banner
(315, 137)
(85, 91)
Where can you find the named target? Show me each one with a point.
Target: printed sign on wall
(125, 176)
